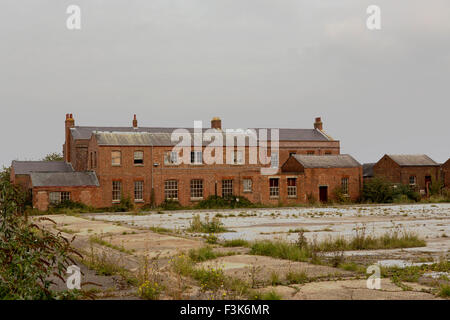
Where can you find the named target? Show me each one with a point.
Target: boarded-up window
(116, 157)
(171, 189)
(116, 190)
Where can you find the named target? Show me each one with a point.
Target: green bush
(379, 190)
(169, 204)
(31, 255)
(216, 202)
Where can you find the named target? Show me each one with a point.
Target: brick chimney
(318, 124)
(135, 123)
(69, 123)
(216, 123)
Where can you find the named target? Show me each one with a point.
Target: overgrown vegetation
(303, 250)
(207, 226)
(216, 202)
(379, 190)
(30, 256)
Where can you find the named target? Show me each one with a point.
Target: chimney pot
(216, 123)
(135, 123)
(318, 124)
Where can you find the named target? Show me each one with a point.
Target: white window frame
(274, 191)
(292, 190)
(274, 160)
(248, 184)
(196, 189)
(227, 187)
(197, 157)
(171, 158)
(238, 157)
(138, 190)
(344, 185)
(171, 189)
(137, 157)
(415, 180)
(116, 190)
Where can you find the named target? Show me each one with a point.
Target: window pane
(196, 188)
(196, 157)
(274, 160)
(65, 196)
(344, 184)
(274, 189)
(138, 157)
(292, 187)
(116, 190)
(138, 190)
(247, 185)
(227, 188)
(171, 189)
(55, 197)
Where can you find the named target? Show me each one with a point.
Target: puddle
(400, 263)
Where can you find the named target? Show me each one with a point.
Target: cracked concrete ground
(131, 238)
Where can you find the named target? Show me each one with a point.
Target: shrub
(216, 202)
(170, 204)
(207, 226)
(150, 290)
(340, 196)
(236, 243)
(29, 255)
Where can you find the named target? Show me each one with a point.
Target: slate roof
(26, 167)
(413, 160)
(368, 169)
(328, 161)
(63, 179)
(84, 133)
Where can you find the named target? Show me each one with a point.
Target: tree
(53, 157)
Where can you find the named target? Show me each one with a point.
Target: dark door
(427, 184)
(323, 194)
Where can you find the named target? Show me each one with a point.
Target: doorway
(323, 193)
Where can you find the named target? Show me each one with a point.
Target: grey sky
(254, 63)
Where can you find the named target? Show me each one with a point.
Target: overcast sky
(254, 63)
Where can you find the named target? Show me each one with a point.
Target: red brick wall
(390, 170)
(446, 174)
(90, 196)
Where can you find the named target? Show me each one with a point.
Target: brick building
(417, 171)
(138, 162)
(318, 177)
(445, 173)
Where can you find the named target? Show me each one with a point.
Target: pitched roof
(85, 133)
(63, 179)
(328, 161)
(413, 160)
(26, 167)
(368, 169)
